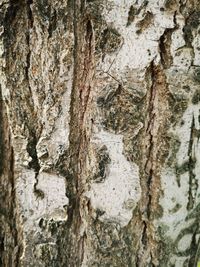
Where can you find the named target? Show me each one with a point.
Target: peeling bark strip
(99, 133)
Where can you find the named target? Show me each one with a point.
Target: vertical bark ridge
(157, 124)
(10, 249)
(153, 152)
(21, 116)
(79, 133)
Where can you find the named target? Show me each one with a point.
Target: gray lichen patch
(166, 245)
(170, 4)
(47, 254)
(178, 108)
(192, 24)
(197, 75)
(121, 109)
(133, 11)
(103, 161)
(145, 22)
(176, 208)
(196, 97)
(110, 239)
(111, 40)
(175, 145)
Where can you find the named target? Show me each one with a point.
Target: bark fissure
(34, 163)
(165, 45)
(30, 26)
(149, 164)
(151, 184)
(193, 182)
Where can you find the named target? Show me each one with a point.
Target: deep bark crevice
(165, 45)
(193, 182)
(152, 152)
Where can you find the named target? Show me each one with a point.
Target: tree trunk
(99, 133)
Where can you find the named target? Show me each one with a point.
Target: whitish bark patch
(118, 195)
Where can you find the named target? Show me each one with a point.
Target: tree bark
(99, 133)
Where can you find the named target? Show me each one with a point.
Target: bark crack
(34, 163)
(153, 152)
(30, 27)
(145, 250)
(193, 182)
(31, 147)
(164, 45)
(149, 162)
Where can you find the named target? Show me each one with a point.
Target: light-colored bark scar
(118, 195)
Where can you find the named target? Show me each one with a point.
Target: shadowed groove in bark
(33, 139)
(193, 182)
(149, 166)
(165, 45)
(30, 26)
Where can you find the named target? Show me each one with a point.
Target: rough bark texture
(99, 133)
